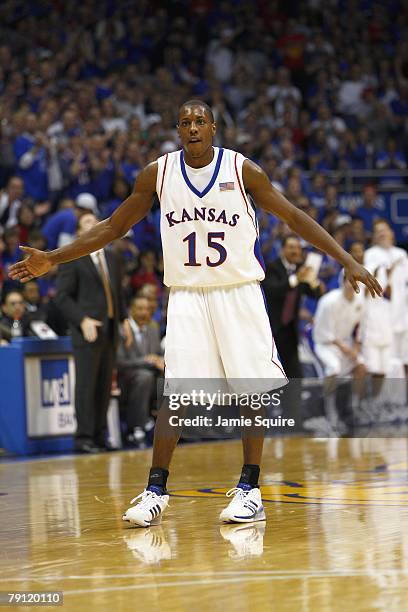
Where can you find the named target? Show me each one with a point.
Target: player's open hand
(36, 264)
(355, 272)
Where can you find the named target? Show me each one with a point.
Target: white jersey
(376, 325)
(336, 317)
(208, 225)
(395, 261)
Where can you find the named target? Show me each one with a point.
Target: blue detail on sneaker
(244, 486)
(247, 518)
(156, 489)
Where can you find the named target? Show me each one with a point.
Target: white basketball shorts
(334, 362)
(221, 333)
(377, 359)
(400, 347)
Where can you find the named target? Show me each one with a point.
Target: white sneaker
(247, 540)
(148, 545)
(245, 507)
(148, 511)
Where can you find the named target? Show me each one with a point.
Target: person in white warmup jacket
(337, 318)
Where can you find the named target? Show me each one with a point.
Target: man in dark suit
(13, 315)
(286, 280)
(89, 295)
(138, 368)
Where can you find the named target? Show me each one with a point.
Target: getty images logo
(55, 383)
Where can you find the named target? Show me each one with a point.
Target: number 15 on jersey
(213, 239)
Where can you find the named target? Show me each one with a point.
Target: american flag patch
(227, 186)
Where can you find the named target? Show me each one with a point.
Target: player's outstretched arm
(269, 199)
(131, 211)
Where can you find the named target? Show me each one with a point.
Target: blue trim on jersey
(201, 194)
(264, 299)
(258, 254)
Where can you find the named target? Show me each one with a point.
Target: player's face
(383, 235)
(196, 131)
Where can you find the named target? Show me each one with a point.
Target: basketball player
(217, 326)
(392, 261)
(337, 316)
(384, 329)
(376, 330)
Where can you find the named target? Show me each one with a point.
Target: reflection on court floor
(336, 535)
(368, 489)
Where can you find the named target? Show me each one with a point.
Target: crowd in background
(89, 93)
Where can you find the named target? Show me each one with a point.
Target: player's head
(383, 235)
(196, 127)
(140, 310)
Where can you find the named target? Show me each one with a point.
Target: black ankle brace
(158, 477)
(250, 474)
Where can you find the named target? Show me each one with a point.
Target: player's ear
(213, 128)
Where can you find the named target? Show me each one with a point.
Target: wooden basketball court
(336, 537)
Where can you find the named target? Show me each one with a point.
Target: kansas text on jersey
(208, 225)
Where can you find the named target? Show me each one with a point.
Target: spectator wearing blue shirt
(60, 229)
(120, 193)
(331, 202)
(391, 159)
(266, 224)
(76, 166)
(90, 167)
(329, 272)
(132, 163)
(317, 194)
(321, 158)
(102, 180)
(30, 150)
(101, 168)
(399, 105)
(11, 252)
(63, 130)
(357, 232)
(361, 156)
(369, 211)
(144, 234)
